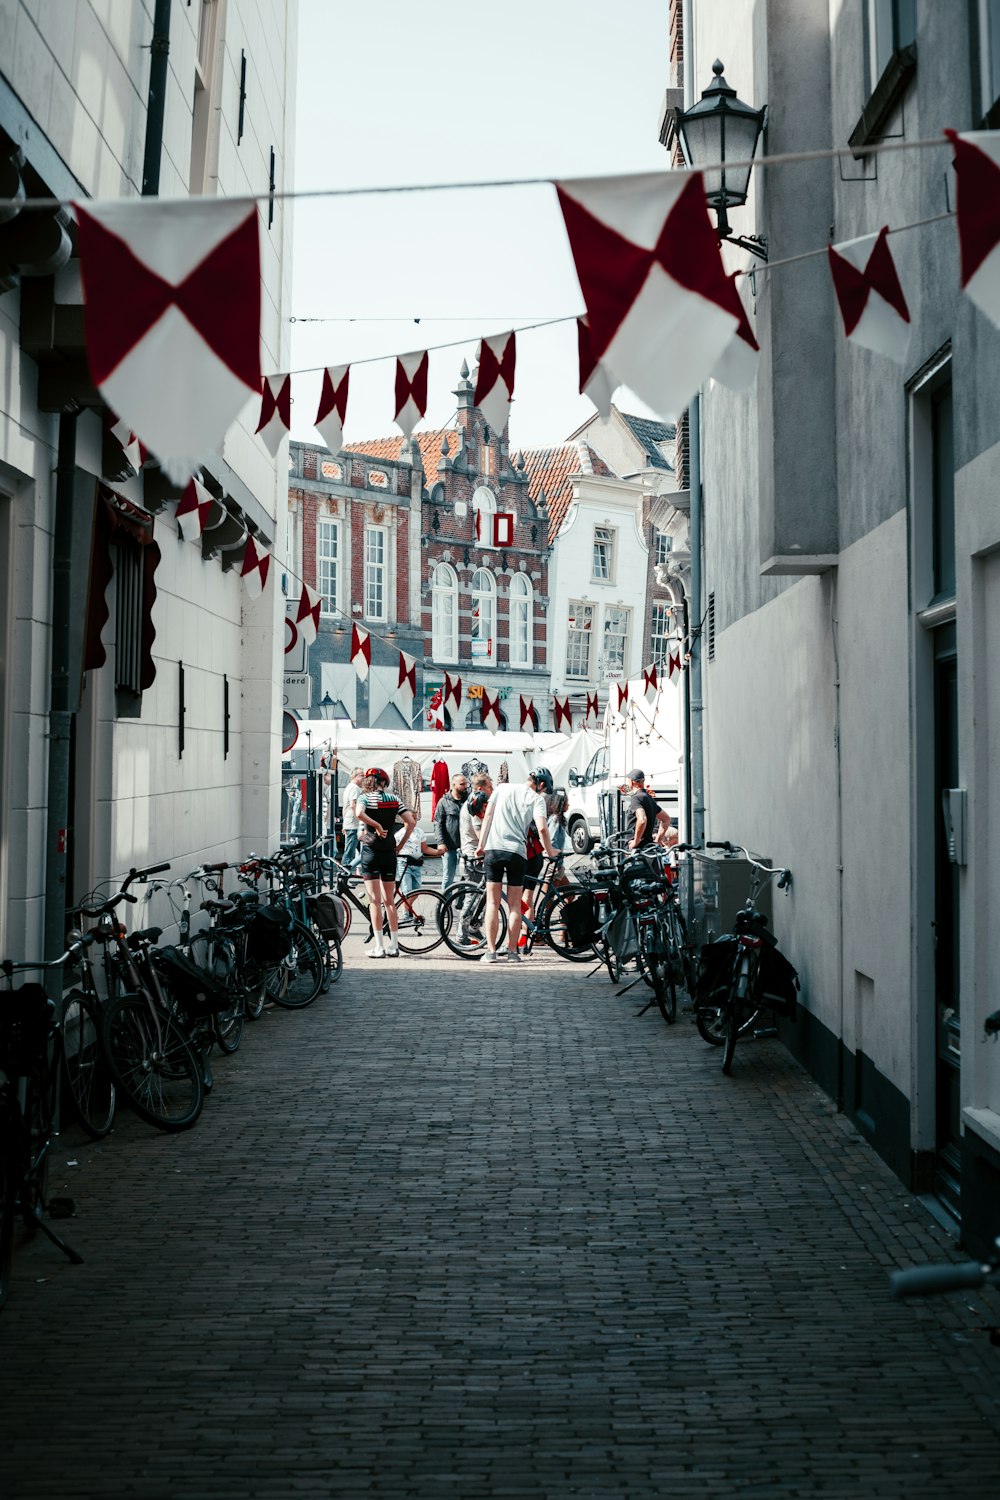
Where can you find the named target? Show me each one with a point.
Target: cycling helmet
(541, 774)
(377, 773)
(477, 803)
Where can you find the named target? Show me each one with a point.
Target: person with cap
(510, 810)
(645, 822)
(380, 814)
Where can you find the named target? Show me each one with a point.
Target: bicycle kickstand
(71, 1255)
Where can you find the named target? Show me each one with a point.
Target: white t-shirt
(514, 807)
(348, 797)
(411, 846)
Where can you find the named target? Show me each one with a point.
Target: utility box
(713, 887)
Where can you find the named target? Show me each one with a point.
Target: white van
(583, 815)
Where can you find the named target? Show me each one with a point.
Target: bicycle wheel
(228, 1023)
(550, 924)
(254, 989)
(742, 1013)
(87, 1076)
(10, 1126)
(463, 919)
(153, 1063)
(419, 916)
(732, 1035)
(654, 967)
(300, 978)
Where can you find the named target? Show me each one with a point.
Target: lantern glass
(720, 128)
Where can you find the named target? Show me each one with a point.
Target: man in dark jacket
(447, 826)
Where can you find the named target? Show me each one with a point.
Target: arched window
(484, 615)
(484, 508)
(444, 613)
(520, 620)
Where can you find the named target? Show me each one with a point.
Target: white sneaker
(392, 950)
(375, 949)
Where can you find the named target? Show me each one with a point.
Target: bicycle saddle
(219, 906)
(145, 935)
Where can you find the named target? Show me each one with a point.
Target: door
(947, 976)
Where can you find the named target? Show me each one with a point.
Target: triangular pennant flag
(621, 688)
(435, 709)
(406, 687)
(596, 380)
(489, 710)
(503, 529)
(674, 664)
(194, 510)
(593, 712)
(361, 650)
(737, 364)
(495, 380)
(869, 295)
(453, 690)
(528, 713)
(659, 303)
(307, 614)
(134, 451)
(977, 205)
(562, 714)
(411, 390)
(172, 318)
(275, 411)
(650, 684)
(332, 413)
(254, 568)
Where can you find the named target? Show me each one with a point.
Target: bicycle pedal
(61, 1208)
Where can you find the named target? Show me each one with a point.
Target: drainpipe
(159, 58)
(696, 748)
(60, 710)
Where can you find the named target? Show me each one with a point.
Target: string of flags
(175, 284)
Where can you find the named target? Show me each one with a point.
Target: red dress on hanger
(440, 782)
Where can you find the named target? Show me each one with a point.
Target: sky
(398, 93)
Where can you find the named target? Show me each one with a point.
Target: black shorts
(378, 861)
(505, 863)
(532, 869)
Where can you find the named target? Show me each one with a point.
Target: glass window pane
(327, 560)
(581, 620)
(943, 479)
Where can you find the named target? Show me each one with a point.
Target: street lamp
(326, 706)
(720, 128)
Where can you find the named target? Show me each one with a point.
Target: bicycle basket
(580, 919)
(327, 911)
(193, 987)
(25, 1021)
(268, 938)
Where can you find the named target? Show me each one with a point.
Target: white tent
(381, 747)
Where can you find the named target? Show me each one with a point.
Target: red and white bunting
(307, 614)
(435, 710)
(406, 687)
(977, 206)
(528, 714)
(869, 295)
(489, 710)
(332, 412)
(503, 528)
(495, 380)
(411, 390)
(650, 682)
(659, 303)
(737, 364)
(194, 510)
(172, 285)
(134, 451)
(275, 411)
(621, 694)
(674, 663)
(593, 713)
(596, 380)
(562, 713)
(361, 650)
(254, 568)
(453, 690)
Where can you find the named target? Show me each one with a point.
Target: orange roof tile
(551, 469)
(429, 443)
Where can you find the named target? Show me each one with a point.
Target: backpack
(327, 911)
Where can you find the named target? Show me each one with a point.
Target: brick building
(436, 547)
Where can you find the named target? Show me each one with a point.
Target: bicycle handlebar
(926, 1281)
(85, 910)
(9, 968)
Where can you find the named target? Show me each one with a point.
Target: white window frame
(444, 613)
(605, 536)
(484, 626)
(989, 36)
(484, 504)
(577, 637)
(328, 529)
(884, 35)
(521, 612)
(616, 613)
(661, 630)
(664, 546)
(376, 573)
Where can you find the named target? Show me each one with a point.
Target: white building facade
(139, 711)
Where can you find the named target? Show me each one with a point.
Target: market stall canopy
(365, 747)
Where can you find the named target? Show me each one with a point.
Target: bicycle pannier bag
(779, 983)
(327, 911)
(192, 985)
(25, 1018)
(715, 971)
(623, 939)
(268, 938)
(580, 918)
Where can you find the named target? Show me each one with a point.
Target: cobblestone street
(464, 1231)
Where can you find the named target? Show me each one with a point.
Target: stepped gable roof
(551, 469)
(650, 435)
(388, 449)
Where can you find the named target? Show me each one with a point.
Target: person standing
(447, 825)
(380, 814)
(502, 842)
(349, 816)
(645, 822)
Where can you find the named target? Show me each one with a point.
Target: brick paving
(463, 1231)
